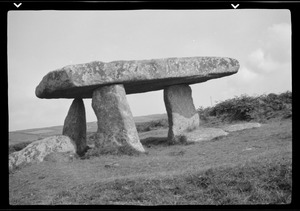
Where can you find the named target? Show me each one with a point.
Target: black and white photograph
(149, 107)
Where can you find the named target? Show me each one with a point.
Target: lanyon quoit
(108, 83)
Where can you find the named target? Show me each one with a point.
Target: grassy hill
(246, 167)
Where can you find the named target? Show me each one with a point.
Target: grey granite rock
(181, 111)
(204, 134)
(116, 127)
(79, 81)
(75, 125)
(38, 150)
(241, 126)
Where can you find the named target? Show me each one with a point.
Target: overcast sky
(42, 41)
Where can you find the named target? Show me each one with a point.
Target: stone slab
(75, 125)
(116, 127)
(198, 135)
(241, 126)
(137, 76)
(204, 134)
(181, 111)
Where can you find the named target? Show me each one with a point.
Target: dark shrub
(246, 108)
(239, 108)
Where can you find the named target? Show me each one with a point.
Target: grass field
(247, 167)
(252, 166)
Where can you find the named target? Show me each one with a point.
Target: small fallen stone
(204, 134)
(110, 165)
(247, 149)
(241, 126)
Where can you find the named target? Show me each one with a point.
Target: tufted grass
(260, 182)
(247, 167)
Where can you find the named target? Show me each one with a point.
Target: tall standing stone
(75, 125)
(182, 115)
(116, 127)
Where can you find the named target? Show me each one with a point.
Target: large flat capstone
(79, 81)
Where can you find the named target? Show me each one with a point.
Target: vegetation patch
(247, 108)
(247, 167)
(252, 183)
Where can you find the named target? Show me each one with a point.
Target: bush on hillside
(238, 108)
(246, 108)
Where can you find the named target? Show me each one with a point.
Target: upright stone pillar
(182, 115)
(75, 125)
(116, 127)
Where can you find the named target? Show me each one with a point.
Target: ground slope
(246, 167)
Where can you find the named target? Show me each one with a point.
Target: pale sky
(42, 41)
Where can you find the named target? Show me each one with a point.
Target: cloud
(274, 52)
(260, 62)
(247, 75)
(277, 42)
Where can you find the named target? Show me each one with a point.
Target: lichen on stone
(74, 80)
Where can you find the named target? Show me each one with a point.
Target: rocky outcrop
(38, 150)
(79, 81)
(181, 111)
(75, 125)
(116, 127)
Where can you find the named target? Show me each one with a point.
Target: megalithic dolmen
(108, 83)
